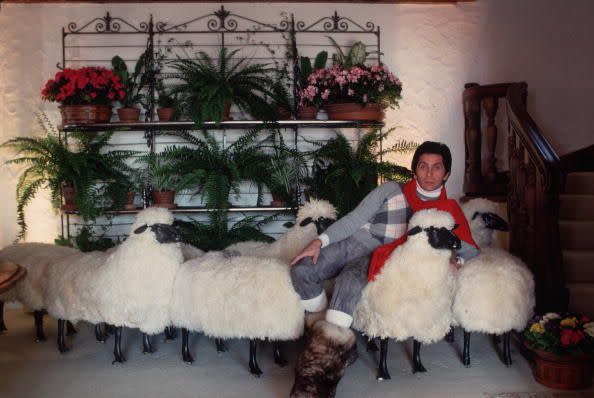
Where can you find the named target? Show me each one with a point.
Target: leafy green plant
(355, 57)
(158, 172)
(208, 86)
(50, 163)
(344, 175)
(218, 170)
(216, 234)
(287, 169)
(165, 99)
(133, 83)
(305, 66)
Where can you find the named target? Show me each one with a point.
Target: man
(343, 251)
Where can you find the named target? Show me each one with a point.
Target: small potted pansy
(352, 90)
(85, 94)
(563, 347)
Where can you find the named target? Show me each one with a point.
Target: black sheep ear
(305, 222)
(414, 230)
(141, 229)
(475, 215)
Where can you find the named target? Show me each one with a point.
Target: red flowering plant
(90, 85)
(565, 334)
(360, 84)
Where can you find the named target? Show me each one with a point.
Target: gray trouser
(347, 261)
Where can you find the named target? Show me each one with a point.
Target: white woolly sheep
(494, 291)
(411, 297)
(130, 286)
(36, 258)
(237, 297)
(312, 219)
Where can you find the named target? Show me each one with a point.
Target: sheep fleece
(237, 297)
(494, 293)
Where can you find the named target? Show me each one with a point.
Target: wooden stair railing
(532, 186)
(533, 202)
(480, 174)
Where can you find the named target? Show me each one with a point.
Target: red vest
(382, 253)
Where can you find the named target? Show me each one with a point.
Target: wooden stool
(10, 274)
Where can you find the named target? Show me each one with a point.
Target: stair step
(581, 298)
(576, 234)
(578, 265)
(576, 207)
(582, 182)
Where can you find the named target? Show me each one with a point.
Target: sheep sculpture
(37, 258)
(495, 290)
(246, 291)
(129, 287)
(315, 213)
(411, 297)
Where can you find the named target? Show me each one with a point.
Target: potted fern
(344, 175)
(82, 168)
(159, 174)
(208, 87)
(166, 103)
(218, 170)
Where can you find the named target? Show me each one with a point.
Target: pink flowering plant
(561, 334)
(359, 84)
(91, 85)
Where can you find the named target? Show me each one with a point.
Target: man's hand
(311, 250)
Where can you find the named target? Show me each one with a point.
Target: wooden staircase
(576, 229)
(550, 201)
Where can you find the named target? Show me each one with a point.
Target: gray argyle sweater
(381, 217)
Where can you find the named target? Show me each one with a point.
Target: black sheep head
(492, 221)
(164, 233)
(439, 238)
(321, 223)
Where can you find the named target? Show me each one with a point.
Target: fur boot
(312, 317)
(328, 351)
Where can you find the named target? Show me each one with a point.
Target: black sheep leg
(220, 345)
(2, 324)
(254, 368)
(466, 351)
(417, 365)
(450, 337)
(382, 369)
(186, 356)
(70, 330)
(507, 360)
(61, 344)
(117, 346)
(170, 333)
(278, 355)
(371, 346)
(100, 336)
(147, 347)
(38, 316)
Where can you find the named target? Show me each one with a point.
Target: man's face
(430, 173)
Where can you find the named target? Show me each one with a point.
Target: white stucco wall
(434, 49)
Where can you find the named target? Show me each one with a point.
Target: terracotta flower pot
(277, 200)
(85, 114)
(354, 111)
(129, 115)
(568, 372)
(164, 199)
(307, 112)
(284, 113)
(129, 205)
(68, 194)
(165, 114)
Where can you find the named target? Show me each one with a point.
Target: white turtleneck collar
(429, 194)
